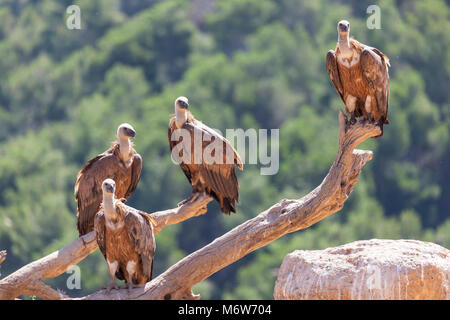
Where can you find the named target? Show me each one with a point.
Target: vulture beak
(110, 188)
(182, 104)
(131, 133)
(343, 26)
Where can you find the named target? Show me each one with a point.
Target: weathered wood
(284, 217)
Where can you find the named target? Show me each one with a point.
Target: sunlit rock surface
(369, 269)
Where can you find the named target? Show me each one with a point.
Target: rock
(369, 269)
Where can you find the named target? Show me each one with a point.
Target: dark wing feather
(140, 230)
(99, 228)
(172, 144)
(375, 73)
(88, 191)
(215, 135)
(333, 72)
(136, 169)
(221, 178)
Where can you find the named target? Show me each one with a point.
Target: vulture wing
(374, 65)
(136, 169)
(219, 177)
(172, 144)
(100, 235)
(88, 191)
(99, 228)
(140, 230)
(333, 72)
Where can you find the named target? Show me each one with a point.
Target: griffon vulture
(120, 163)
(215, 176)
(360, 75)
(125, 237)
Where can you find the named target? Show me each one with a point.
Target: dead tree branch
(284, 217)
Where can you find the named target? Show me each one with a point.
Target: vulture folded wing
(136, 169)
(100, 235)
(88, 191)
(172, 144)
(220, 177)
(140, 230)
(211, 135)
(375, 73)
(333, 72)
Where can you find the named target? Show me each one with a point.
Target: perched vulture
(360, 75)
(214, 175)
(125, 237)
(120, 163)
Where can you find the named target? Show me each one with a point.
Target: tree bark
(284, 217)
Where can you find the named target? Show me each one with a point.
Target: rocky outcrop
(369, 269)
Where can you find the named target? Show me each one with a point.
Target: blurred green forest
(242, 64)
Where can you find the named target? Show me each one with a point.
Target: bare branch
(179, 214)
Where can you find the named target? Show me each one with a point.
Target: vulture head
(181, 103)
(108, 186)
(343, 28)
(126, 131)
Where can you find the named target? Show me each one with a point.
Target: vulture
(125, 238)
(120, 163)
(360, 75)
(216, 178)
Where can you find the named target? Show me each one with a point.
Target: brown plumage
(125, 238)
(109, 164)
(360, 75)
(216, 179)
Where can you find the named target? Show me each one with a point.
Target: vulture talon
(130, 286)
(181, 203)
(111, 286)
(194, 197)
(352, 118)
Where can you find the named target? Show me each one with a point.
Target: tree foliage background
(242, 64)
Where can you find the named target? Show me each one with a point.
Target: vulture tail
(228, 206)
